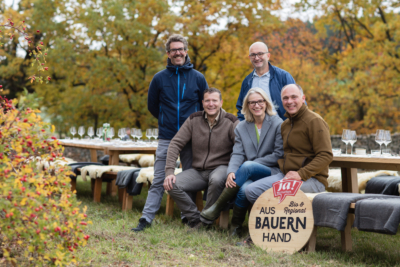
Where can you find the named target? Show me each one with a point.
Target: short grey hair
(262, 43)
(295, 84)
(248, 116)
(212, 90)
(176, 38)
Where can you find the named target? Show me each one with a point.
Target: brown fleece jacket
(306, 145)
(211, 147)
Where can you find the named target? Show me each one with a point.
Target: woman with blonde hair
(258, 146)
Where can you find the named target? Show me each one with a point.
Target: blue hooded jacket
(277, 80)
(174, 94)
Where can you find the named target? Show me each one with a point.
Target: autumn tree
(361, 50)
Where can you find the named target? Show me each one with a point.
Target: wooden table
(93, 149)
(349, 166)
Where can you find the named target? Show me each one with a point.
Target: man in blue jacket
(174, 94)
(265, 76)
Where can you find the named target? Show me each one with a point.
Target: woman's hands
(229, 181)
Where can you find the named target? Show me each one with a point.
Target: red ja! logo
(285, 188)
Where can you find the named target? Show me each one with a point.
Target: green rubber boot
(238, 217)
(214, 211)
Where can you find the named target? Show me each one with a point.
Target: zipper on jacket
(287, 143)
(209, 138)
(208, 153)
(183, 91)
(195, 108)
(177, 72)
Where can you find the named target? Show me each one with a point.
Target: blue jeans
(247, 173)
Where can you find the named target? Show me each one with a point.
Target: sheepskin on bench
(335, 179)
(96, 171)
(42, 164)
(144, 160)
(129, 158)
(146, 175)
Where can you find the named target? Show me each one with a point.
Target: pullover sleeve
(182, 137)
(153, 98)
(321, 143)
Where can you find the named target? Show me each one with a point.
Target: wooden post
(97, 189)
(224, 219)
(110, 188)
(346, 236)
(310, 247)
(199, 201)
(169, 210)
(114, 160)
(128, 202)
(349, 180)
(93, 155)
(121, 195)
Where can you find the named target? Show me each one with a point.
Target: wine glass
(345, 137)
(81, 131)
(72, 130)
(90, 132)
(388, 138)
(155, 133)
(352, 139)
(123, 133)
(111, 133)
(139, 134)
(149, 134)
(99, 132)
(380, 138)
(133, 133)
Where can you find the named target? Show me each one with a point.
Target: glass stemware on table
(352, 139)
(90, 132)
(380, 138)
(81, 131)
(149, 134)
(121, 133)
(99, 132)
(346, 137)
(72, 130)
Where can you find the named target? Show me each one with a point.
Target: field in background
(167, 242)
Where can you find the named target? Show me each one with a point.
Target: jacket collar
(220, 116)
(271, 73)
(298, 114)
(187, 66)
(264, 130)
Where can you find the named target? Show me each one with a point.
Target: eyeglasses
(180, 50)
(253, 56)
(259, 102)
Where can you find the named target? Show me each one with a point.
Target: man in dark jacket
(265, 76)
(174, 94)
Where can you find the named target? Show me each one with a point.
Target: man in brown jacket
(212, 134)
(306, 146)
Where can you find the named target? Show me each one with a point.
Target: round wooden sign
(285, 226)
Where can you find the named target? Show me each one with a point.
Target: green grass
(167, 242)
